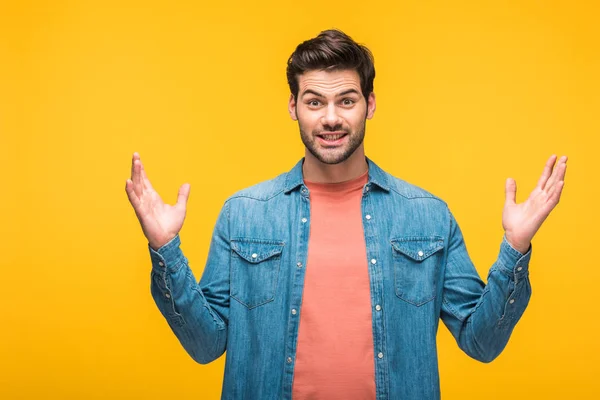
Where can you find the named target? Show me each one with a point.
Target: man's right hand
(160, 222)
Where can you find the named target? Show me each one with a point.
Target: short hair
(331, 50)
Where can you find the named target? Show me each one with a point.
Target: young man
(328, 282)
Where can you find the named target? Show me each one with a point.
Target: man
(328, 282)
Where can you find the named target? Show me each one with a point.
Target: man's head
(331, 83)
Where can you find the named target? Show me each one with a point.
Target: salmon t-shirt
(334, 358)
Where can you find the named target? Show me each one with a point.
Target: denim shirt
(249, 299)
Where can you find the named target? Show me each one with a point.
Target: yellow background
(468, 93)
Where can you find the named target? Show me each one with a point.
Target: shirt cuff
(168, 257)
(512, 262)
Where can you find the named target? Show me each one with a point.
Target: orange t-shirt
(334, 358)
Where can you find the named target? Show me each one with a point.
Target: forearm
(195, 322)
(485, 331)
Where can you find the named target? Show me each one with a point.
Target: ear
(371, 105)
(292, 108)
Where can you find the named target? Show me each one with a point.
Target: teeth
(332, 137)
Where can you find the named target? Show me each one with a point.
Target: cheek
(308, 120)
(356, 118)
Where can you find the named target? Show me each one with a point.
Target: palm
(522, 221)
(160, 222)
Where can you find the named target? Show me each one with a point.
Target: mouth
(332, 138)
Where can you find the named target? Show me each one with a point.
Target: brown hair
(331, 50)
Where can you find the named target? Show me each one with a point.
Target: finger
(555, 196)
(137, 178)
(556, 173)
(561, 170)
(136, 156)
(547, 172)
(183, 195)
(133, 199)
(145, 179)
(511, 191)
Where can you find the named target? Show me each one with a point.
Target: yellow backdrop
(468, 93)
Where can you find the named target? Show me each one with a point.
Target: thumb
(511, 191)
(182, 195)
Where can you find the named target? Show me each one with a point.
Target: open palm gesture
(522, 221)
(160, 222)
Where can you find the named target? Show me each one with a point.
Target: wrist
(156, 244)
(522, 246)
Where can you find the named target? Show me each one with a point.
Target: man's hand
(522, 221)
(160, 222)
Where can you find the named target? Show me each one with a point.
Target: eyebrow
(345, 92)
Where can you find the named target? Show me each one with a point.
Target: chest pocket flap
(418, 248)
(255, 250)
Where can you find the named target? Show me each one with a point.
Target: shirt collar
(377, 176)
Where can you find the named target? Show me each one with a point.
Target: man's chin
(331, 159)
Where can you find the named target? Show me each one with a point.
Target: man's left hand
(522, 221)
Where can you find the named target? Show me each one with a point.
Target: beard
(333, 155)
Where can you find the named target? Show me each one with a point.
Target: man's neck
(314, 170)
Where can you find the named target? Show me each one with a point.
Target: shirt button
(420, 253)
(380, 355)
(304, 220)
(520, 269)
(289, 360)
(373, 261)
(367, 189)
(167, 295)
(368, 216)
(294, 311)
(162, 264)
(511, 301)
(299, 265)
(254, 255)
(378, 307)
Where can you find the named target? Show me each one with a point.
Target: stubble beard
(337, 155)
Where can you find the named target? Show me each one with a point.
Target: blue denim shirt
(249, 299)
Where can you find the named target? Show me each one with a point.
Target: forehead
(329, 82)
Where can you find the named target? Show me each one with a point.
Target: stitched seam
(249, 196)
(418, 196)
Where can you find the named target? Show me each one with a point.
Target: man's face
(331, 113)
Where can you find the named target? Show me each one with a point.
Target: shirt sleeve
(196, 312)
(481, 317)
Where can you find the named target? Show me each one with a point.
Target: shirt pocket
(254, 270)
(416, 261)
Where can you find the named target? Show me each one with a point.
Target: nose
(331, 117)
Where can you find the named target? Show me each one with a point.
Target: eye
(314, 103)
(348, 102)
